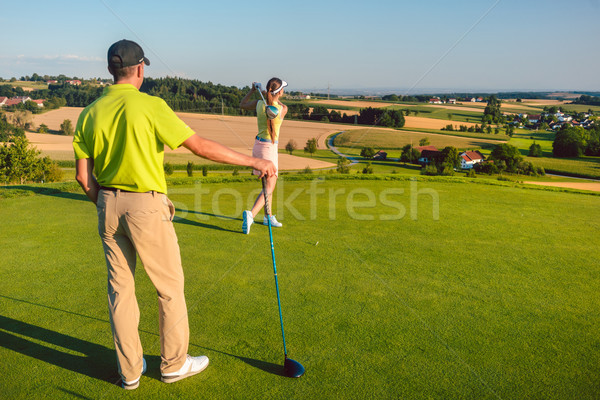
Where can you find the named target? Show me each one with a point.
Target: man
(118, 144)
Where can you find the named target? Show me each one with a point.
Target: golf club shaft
(261, 95)
(268, 214)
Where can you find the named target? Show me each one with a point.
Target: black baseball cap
(126, 53)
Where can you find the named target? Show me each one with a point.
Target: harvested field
(541, 102)
(358, 104)
(591, 186)
(430, 123)
(235, 132)
(456, 108)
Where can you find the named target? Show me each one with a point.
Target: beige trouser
(140, 222)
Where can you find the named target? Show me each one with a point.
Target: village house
(6, 102)
(380, 155)
(435, 100)
(468, 159)
(428, 154)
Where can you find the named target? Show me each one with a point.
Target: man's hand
(266, 167)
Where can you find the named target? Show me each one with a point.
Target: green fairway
(391, 289)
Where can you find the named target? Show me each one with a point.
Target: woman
(265, 144)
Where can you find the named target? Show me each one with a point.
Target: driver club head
(292, 369)
(272, 112)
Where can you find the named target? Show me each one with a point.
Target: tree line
(574, 141)
(366, 116)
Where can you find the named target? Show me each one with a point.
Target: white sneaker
(192, 366)
(274, 222)
(134, 384)
(248, 221)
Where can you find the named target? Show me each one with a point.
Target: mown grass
(496, 298)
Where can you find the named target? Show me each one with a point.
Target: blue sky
(455, 45)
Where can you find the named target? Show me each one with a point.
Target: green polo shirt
(124, 132)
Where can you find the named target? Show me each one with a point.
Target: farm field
(27, 86)
(381, 138)
(398, 303)
(235, 132)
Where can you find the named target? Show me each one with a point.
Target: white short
(266, 151)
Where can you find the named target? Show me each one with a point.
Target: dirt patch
(235, 132)
(591, 186)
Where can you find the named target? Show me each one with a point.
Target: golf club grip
(267, 205)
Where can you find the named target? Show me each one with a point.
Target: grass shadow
(98, 361)
(269, 367)
(95, 361)
(13, 191)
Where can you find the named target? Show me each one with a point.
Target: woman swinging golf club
(269, 115)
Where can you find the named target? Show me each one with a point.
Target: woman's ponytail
(273, 84)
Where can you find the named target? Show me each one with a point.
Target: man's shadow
(93, 360)
(196, 222)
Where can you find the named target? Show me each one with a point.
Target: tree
(319, 112)
(535, 150)
(343, 165)
(368, 169)
(493, 110)
(168, 169)
(367, 152)
(43, 128)
(569, 142)
(291, 146)
(311, 146)
(424, 142)
(22, 119)
(20, 164)
(409, 154)
(190, 169)
(66, 128)
(450, 157)
(508, 155)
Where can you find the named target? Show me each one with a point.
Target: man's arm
(214, 151)
(84, 173)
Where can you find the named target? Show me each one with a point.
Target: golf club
(271, 111)
(292, 369)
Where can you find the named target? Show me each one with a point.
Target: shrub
(190, 169)
(367, 152)
(204, 170)
(429, 170)
(343, 165)
(291, 146)
(66, 128)
(368, 169)
(168, 169)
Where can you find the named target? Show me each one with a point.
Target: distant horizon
(365, 91)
